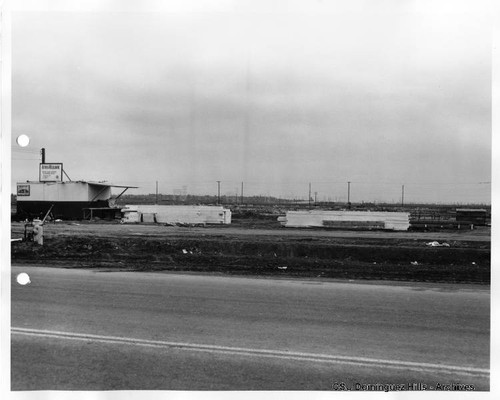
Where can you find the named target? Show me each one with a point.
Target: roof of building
(87, 182)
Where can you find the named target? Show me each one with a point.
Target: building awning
(104, 185)
(110, 185)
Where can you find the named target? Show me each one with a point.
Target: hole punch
(23, 278)
(23, 140)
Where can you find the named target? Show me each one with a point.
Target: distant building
(69, 200)
(473, 216)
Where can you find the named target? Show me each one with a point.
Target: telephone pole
(402, 196)
(348, 192)
(309, 194)
(218, 192)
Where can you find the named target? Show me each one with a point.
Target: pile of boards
(398, 221)
(176, 215)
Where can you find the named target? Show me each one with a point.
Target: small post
(241, 193)
(43, 155)
(38, 231)
(403, 196)
(156, 192)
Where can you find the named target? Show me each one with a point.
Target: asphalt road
(98, 330)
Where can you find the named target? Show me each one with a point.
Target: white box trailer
(176, 215)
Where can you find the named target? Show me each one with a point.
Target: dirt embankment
(301, 254)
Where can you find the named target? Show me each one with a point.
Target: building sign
(51, 172)
(23, 190)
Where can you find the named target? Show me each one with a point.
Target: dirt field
(261, 248)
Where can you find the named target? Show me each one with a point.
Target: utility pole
(218, 192)
(43, 155)
(403, 196)
(309, 194)
(156, 192)
(241, 192)
(348, 192)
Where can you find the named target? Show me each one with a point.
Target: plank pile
(398, 221)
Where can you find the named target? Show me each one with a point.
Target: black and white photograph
(233, 196)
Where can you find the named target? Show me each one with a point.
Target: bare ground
(260, 248)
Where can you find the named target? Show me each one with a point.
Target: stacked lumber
(398, 221)
(176, 215)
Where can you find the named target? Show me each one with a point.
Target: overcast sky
(379, 93)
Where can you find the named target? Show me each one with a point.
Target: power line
(24, 152)
(17, 148)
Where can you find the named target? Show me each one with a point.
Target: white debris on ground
(437, 244)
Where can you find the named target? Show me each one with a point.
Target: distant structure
(68, 200)
(180, 194)
(471, 216)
